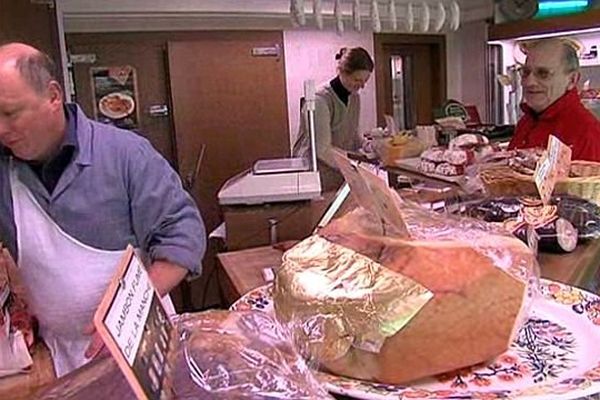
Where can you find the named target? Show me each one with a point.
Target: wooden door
(229, 102)
(34, 24)
(425, 74)
(147, 55)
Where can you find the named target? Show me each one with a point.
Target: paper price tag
(136, 330)
(553, 166)
(532, 239)
(372, 193)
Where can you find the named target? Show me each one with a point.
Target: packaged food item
(462, 151)
(218, 354)
(555, 236)
(365, 300)
(398, 146)
(580, 218)
(239, 354)
(16, 324)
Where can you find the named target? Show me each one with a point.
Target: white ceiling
(136, 15)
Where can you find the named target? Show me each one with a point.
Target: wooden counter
(580, 268)
(241, 271)
(23, 386)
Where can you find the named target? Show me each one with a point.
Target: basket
(585, 184)
(389, 153)
(504, 181)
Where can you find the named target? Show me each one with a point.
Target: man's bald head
(566, 48)
(34, 66)
(32, 116)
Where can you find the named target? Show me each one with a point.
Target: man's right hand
(96, 346)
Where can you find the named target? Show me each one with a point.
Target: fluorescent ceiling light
(555, 5)
(549, 34)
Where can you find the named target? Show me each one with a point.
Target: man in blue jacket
(73, 194)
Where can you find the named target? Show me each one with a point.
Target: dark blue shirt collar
(50, 171)
(71, 134)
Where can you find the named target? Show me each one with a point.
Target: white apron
(65, 278)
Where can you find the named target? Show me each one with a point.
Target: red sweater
(566, 119)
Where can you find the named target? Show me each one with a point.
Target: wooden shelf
(512, 30)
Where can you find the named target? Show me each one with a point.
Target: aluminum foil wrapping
(336, 298)
(392, 292)
(361, 296)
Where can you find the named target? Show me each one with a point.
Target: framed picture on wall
(114, 90)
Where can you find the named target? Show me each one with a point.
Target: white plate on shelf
(116, 105)
(556, 356)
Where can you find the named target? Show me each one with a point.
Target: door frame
(384, 44)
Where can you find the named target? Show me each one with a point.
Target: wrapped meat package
(239, 355)
(366, 303)
(217, 355)
(370, 299)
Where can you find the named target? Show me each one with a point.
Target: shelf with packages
(407, 172)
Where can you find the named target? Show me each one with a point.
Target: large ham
(478, 279)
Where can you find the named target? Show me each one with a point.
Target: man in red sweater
(552, 105)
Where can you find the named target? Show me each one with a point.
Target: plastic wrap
(356, 17)
(16, 330)
(339, 16)
(582, 214)
(217, 355)
(467, 287)
(242, 355)
(297, 12)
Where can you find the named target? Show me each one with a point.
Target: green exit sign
(553, 8)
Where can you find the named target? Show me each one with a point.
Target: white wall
(311, 55)
(454, 75)
(466, 65)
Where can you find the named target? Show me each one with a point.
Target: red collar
(569, 99)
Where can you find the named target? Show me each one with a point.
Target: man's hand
(165, 275)
(96, 346)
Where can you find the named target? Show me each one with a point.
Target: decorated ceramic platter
(555, 356)
(116, 105)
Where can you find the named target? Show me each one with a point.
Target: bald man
(552, 105)
(73, 194)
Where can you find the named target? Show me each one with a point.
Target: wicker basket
(586, 184)
(504, 181)
(389, 154)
